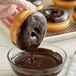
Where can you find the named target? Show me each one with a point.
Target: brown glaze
(42, 59)
(54, 15)
(32, 32)
(36, 2)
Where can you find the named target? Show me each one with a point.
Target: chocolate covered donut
(57, 19)
(37, 3)
(55, 15)
(65, 3)
(30, 32)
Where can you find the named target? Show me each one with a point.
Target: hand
(20, 3)
(10, 8)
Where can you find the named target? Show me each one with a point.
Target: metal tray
(70, 32)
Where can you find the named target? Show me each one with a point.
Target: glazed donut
(28, 30)
(37, 3)
(74, 14)
(56, 19)
(65, 3)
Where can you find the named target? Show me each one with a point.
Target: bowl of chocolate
(46, 60)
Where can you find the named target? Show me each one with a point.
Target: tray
(70, 32)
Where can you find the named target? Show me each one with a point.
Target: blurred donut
(28, 30)
(37, 3)
(56, 19)
(74, 14)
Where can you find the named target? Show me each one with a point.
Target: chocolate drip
(54, 15)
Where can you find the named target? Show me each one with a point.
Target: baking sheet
(70, 32)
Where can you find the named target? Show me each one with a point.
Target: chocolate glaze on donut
(54, 15)
(32, 32)
(36, 2)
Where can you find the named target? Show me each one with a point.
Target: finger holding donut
(9, 9)
(7, 14)
(28, 30)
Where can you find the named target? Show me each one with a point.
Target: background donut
(37, 3)
(74, 14)
(32, 32)
(65, 3)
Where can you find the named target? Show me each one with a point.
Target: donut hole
(35, 32)
(34, 35)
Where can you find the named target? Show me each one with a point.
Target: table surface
(5, 45)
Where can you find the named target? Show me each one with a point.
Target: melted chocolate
(42, 59)
(36, 2)
(32, 32)
(54, 15)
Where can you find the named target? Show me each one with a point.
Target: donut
(37, 3)
(65, 3)
(28, 30)
(74, 14)
(57, 19)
